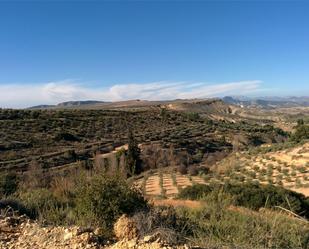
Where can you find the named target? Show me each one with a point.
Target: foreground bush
(45, 207)
(172, 227)
(105, 199)
(253, 196)
(85, 200)
(13, 206)
(222, 227)
(101, 199)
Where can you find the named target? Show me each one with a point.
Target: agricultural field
(166, 185)
(68, 138)
(288, 168)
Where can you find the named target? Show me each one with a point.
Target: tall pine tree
(133, 161)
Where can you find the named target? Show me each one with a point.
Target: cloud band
(24, 95)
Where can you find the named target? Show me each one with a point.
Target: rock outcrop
(144, 244)
(19, 232)
(22, 233)
(125, 228)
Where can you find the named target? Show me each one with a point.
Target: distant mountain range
(243, 101)
(69, 104)
(267, 102)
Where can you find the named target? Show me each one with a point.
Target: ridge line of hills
(261, 102)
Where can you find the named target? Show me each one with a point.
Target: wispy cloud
(24, 95)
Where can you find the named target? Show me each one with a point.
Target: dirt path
(178, 203)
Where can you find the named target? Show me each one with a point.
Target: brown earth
(171, 184)
(177, 203)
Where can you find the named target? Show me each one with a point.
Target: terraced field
(288, 168)
(166, 185)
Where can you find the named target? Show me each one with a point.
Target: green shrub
(194, 192)
(252, 174)
(257, 196)
(285, 171)
(133, 161)
(302, 169)
(253, 196)
(14, 205)
(301, 133)
(192, 116)
(44, 206)
(104, 199)
(8, 184)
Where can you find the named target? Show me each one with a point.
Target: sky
(55, 51)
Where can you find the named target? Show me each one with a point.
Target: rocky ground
(23, 233)
(20, 232)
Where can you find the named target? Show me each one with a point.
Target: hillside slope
(286, 167)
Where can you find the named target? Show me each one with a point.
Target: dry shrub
(34, 177)
(182, 169)
(125, 228)
(62, 187)
(161, 222)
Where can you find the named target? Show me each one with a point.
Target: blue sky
(57, 51)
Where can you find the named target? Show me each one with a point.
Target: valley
(84, 166)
